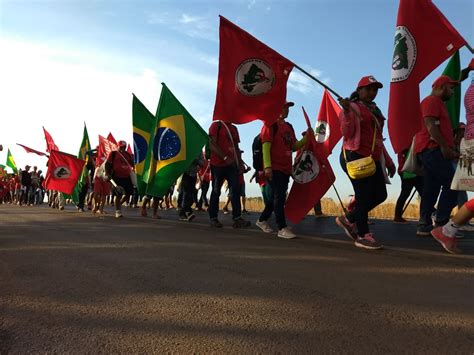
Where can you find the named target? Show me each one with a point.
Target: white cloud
(54, 87)
(251, 4)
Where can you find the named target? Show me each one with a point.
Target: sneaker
(467, 228)
(349, 228)
(399, 220)
(190, 216)
(225, 210)
(424, 231)
(245, 212)
(80, 210)
(61, 208)
(118, 214)
(367, 242)
(319, 215)
(449, 244)
(264, 226)
(286, 233)
(216, 224)
(240, 223)
(182, 217)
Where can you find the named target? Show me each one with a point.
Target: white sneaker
(264, 226)
(286, 233)
(467, 228)
(118, 214)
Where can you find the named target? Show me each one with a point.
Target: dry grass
(333, 208)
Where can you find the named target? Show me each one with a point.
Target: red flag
(31, 150)
(49, 141)
(313, 177)
(424, 38)
(105, 147)
(129, 150)
(328, 127)
(111, 138)
(252, 78)
(63, 172)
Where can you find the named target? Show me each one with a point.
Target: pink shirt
(469, 105)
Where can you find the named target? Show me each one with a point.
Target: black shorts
(126, 183)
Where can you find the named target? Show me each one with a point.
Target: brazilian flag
(11, 162)
(453, 105)
(177, 140)
(85, 147)
(144, 124)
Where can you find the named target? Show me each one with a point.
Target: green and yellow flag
(85, 147)
(177, 140)
(11, 162)
(453, 105)
(144, 124)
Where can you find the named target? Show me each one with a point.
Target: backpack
(257, 148)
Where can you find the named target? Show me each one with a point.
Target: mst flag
(105, 148)
(424, 38)
(50, 145)
(453, 105)
(328, 127)
(85, 147)
(144, 123)
(31, 150)
(63, 172)
(11, 162)
(176, 141)
(313, 176)
(111, 138)
(252, 78)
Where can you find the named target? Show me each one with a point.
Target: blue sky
(66, 62)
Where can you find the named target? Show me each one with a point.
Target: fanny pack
(363, 167)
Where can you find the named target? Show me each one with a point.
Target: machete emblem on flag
(404, 54)
(254, 77)
(306, 169)
(322, 132)
(62, 172)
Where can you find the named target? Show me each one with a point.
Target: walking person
(188, 187)
(226, 164)
(278, 144)
(435, 146)
(361, 124)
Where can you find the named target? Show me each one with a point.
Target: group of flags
(252, 84)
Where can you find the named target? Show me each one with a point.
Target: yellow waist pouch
(361, 168)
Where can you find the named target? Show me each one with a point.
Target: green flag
(85, 147)
(453, 105)
(144, 124)
(177, 140)
(2, 166)
(11, 162)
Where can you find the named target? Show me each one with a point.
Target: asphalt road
(77, 283)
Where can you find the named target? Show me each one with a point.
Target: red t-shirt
(282, 145)
(224, 141)
(122, 163)
(433, 106)
(205, 172)
(367, 126)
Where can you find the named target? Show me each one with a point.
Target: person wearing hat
(361, 125)
(435, 146)
(119, 167)
(278, 144)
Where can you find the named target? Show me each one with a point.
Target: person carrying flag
(278, 144)
(361, 125)
(119, 167)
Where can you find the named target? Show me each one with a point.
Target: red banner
(31, 150)
(50, 145)
(328, 128)
(63, 172)
(252, 78)
(424, 39)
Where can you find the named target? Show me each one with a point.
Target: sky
(64, 63)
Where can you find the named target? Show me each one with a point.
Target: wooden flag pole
(318, 81)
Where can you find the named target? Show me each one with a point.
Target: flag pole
(318, 81)
(469, 47)
(408, 203)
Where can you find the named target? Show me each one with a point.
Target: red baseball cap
(369, 80)
(443, 79)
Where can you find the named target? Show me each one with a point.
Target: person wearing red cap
(361, 125)
(278, 144)
(119, 167)
(435, 146)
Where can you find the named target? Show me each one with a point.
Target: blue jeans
(439, 173)
(276, 198)
(219, 174)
